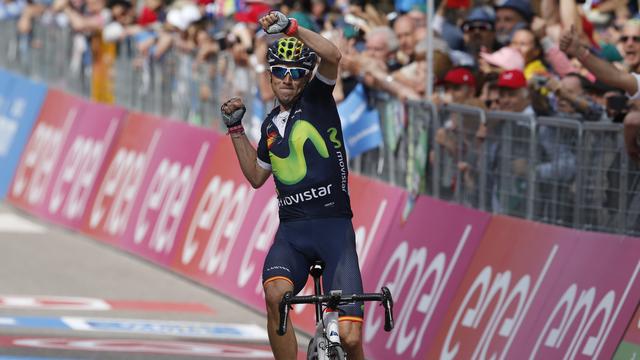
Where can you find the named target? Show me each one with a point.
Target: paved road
(66, 296)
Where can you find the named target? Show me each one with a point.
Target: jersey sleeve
(635, 96)
(320, 88)
(263, 153)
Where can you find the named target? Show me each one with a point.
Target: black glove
(281, 25)
(234, 118)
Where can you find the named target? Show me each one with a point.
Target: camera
(617, 107)
(540, 81)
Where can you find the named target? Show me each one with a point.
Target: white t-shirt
(635, 96)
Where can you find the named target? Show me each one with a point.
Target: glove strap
(236, 129)
(292, 29)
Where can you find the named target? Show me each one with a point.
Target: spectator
(573, 100)
(511, 16)
(514, 94)
(609, 74)
(630, 43)
(460, 86)
(479, 32)
(381, 45)
(457, 136)
(404, 28)
(490, 93)
(525, 41)
(507, 58)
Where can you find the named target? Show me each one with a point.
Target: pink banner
(535, 291)
(162, 188)
(58, 118)
(422, 261)
(167, 190)
(110, 209)
(230, 228)
(84, 155)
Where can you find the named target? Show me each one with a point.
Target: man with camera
(609, 74)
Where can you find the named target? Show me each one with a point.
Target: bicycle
(325, 344)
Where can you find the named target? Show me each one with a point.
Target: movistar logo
(292, 169)
(333, 132)
(313, 193)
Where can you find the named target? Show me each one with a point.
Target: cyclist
(302, 145)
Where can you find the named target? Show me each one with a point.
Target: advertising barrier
(147, 185)
(81, 164)
(110, 206)
(33, 177)
(422, 261)
(229, 230)
(535, 291)
(20, 102)
(466, 284)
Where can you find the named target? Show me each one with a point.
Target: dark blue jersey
(309, 162)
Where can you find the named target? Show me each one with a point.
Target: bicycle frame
(321, 342)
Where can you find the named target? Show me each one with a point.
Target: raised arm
(232, 112)
(277, 22)
(601, 69)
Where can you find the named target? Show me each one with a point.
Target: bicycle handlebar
(384, 297)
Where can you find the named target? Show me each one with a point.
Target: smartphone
(617, 102)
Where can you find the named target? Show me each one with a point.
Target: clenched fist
(232, 112)
(275, 22)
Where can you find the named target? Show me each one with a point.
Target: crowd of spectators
(500, 55)
(384, 44)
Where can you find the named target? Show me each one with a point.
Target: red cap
(460, 76)
(147, 16)
(252, 13)
(513, 79)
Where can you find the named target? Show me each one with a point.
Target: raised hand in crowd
(570, 43)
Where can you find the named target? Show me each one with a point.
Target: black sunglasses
(482, 26)
(490, 102)
(625, 38)
(281, 72)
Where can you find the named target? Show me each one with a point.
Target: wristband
(292, 29)
(237, 129)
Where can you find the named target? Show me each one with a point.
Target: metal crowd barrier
(567, 172)
(511, 141)
(460, 155)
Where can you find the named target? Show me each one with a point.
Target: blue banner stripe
(140, 326)
(30, 358)
(36, 322)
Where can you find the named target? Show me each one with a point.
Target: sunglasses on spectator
(477, 26)
(281, 72)
(625, 38)
(490, 102)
